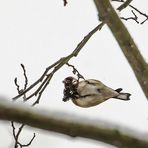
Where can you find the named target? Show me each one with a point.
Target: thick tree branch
(140, 67)
(68, 125)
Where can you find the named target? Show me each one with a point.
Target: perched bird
(87, 93)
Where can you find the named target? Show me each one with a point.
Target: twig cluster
(16, 133)
(135, 18)
(134, 10)
(141, 13)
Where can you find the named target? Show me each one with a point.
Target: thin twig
(145, 15)
(38, 90)
(135, 18)
(19, 131)
(25, 76)
(38, 81)
(16, 135)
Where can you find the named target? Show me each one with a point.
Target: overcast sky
(37, 33)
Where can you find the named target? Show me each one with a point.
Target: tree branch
(140, 67)
(68, 125)
(124, 5)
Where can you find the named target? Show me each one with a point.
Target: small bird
(88, 93)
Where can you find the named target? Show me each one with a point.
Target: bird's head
(69, 81)
(70, 88)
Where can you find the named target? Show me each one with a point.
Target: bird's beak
(66, 99)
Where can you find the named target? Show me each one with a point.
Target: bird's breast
(88, 101)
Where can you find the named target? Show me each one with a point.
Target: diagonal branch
(124, 5)
(69, 125)
(125, 41)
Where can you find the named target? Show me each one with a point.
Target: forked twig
(135, 18)
(143, 14)
(127, 3)
(17, 133)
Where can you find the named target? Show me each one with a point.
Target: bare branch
(143, 14)
(42, 89)
(17, 86)
(124, 5)
(70, 125)
(16, 134)
(30, 142)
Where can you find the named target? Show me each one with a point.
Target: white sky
(37, 33)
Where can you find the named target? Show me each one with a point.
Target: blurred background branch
(69, 125)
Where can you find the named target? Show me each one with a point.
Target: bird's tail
(122, 96)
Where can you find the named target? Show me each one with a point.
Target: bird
(90, 92)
